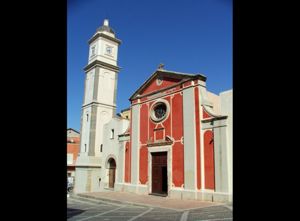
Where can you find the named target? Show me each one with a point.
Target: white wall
(85, 131)
(106, 88)
(226, 109)
(104, 115)
(135, 144)
(111, 148)
(90, 76)
(215, 99)
(189, 132)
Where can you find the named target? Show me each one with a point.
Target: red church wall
(154, 132)
(127, 162)
(159, 133)
(151, 129)
(197, 118)
(143, 139)
(151, 126)
(144, 123)
(154, 87)
(167, 122)
(173, 122)
(209, 160)
(177, 116)
(178, 164)
(143, 164)
(172, 126)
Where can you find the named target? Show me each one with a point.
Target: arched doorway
(111, 172)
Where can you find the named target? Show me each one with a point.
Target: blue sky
(191, 36)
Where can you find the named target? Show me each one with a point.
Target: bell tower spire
(99, 104)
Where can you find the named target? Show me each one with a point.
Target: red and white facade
(178, 141)
(183, 140)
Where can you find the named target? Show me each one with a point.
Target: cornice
(97, 35)
(98, 63)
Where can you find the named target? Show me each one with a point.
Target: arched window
(111, 163)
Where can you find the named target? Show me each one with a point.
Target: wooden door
(159, 173)
(111, 177)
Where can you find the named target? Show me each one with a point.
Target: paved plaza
(94, 208)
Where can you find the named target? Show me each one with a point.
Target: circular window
(159, 111)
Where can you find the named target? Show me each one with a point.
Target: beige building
(125, 113)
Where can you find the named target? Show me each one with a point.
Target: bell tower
(99, 105)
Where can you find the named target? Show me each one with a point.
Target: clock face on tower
(108, 50)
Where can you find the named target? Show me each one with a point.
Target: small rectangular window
(112, 134)
(101, 147)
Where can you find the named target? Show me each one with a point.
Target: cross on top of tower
(161, 66)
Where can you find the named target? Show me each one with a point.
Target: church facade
(177, 141)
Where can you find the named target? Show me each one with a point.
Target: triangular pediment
(161, 79)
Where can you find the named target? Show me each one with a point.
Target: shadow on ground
(73, 212)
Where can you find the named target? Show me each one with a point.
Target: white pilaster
(135, 145)
(189, 131)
